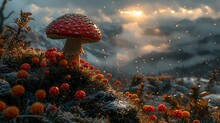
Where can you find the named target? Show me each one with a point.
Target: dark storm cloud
(173, 56)
(200, 26)
(212, 39)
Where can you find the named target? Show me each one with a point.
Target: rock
(101, 96)
(5, 89)
(107, 104)
(120, 112)
(4, 69)
(214, 99)
(189, 82)
(147, 87)
(215, 89)
(10, 77)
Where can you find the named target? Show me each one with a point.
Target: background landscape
(139, 36)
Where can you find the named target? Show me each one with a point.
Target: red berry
(86, 65)
(153, 117)
(71, 67)
(91, 67)
(60, 55)
(80, 94)
(35, 60)
(74, 63)
(22, 74)
(46, 71)
(65, 86)
(22, 44)
(43, 64)
(54, 91)
(2, 106)
(109, 75)
(25, 67)
(97, 71)
(161, 107)
(82, 61)
(148, 108)
(118, 82)
(53, 107)
(68, 77)
(177, 113)
(53, 60)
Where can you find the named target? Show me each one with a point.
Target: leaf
(203, 103)
(29, 18)
(1, 41)
(204, 93)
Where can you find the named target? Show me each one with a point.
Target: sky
(140, 35)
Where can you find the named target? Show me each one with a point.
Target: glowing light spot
(132, 13)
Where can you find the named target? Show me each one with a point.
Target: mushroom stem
(72, 50)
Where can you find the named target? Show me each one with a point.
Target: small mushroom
(79, 34)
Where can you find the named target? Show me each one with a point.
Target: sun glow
(132, 13)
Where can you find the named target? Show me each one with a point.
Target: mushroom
(78, 29)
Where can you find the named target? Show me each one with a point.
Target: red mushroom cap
(76, 26)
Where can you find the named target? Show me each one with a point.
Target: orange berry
(11, 112)
(18, 90)
(134, 96)
(99, 76)
(2, 106)
(137, 100)
(127, 93)
(37, 108)
(60, 55)
(196, 121)
(63, 62)
(185, 114)
(105, 80)
(40, 94)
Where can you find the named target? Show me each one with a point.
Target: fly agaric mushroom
(78, 29)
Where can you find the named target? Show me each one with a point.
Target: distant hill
(200, 70)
